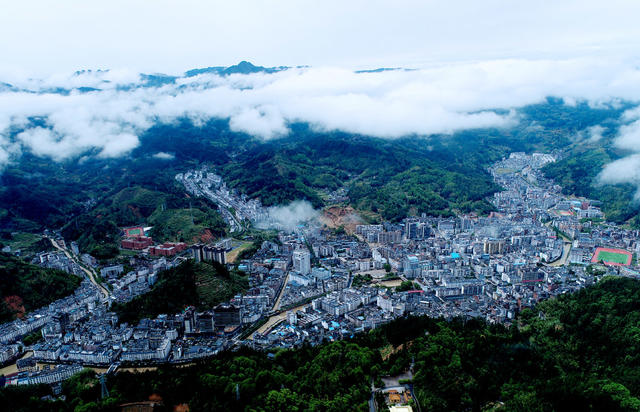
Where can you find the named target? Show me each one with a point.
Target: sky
(43, 37)
(467, 59)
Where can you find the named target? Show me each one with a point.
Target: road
(13, 367)
(90, 273)
(274, 319)
(566, 249)
(276, 305)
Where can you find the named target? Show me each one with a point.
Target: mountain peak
(244, 67)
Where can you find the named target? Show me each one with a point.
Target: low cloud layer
(627, 169)
(105, 112)
(290, 216)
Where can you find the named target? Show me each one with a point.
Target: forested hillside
(576, 352)
(202, 285)
(577, 173)
(25, 287)
(438, 175)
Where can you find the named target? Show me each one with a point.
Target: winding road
(91, 274)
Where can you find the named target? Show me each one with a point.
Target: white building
(302, 261)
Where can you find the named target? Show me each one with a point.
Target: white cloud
(164, 156)
(629, 136)
(263, 121)
(625, 170)
(390, 104)
(116, 145)
(594, 133)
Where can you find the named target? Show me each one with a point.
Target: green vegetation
(392, 178)
(438, 175)
(575, 352)
(202, 285)
(238, 249)
(361, 280)
(432, 174)
(98, 231)
(32, 338)
(612, 257)
(257, 237)
(25, 287)
(578, 173)
(595, 270)
(562, 235)
(90, 201)
(27, 243)
(186, 225)
(407, 285)
(593, 220)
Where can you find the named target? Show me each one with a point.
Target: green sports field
(612, 257)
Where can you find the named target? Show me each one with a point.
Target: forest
(575, 352)
(203, 285)
(25, 287)
(578, 175)
(393, 178)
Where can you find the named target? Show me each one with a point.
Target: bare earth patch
(347, 217)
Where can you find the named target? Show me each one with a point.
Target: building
(531, 275)
(299, 279)
(493, 247)
(111, 271)
(394, 236)
(75, 249)
(209, 253)
(136, 243)
(465, 223)
(227, 315)
(411, 267)
(414, 229)
(168, 249)
(302, 261)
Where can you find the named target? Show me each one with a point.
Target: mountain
(6, 87)
(390, 178)
(244, 67)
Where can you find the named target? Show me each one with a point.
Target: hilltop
(202, 285)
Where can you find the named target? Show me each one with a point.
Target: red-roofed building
(136, 243)
(168, 249)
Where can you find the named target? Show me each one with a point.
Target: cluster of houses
(315, 284)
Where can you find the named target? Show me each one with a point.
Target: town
(317, 283)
